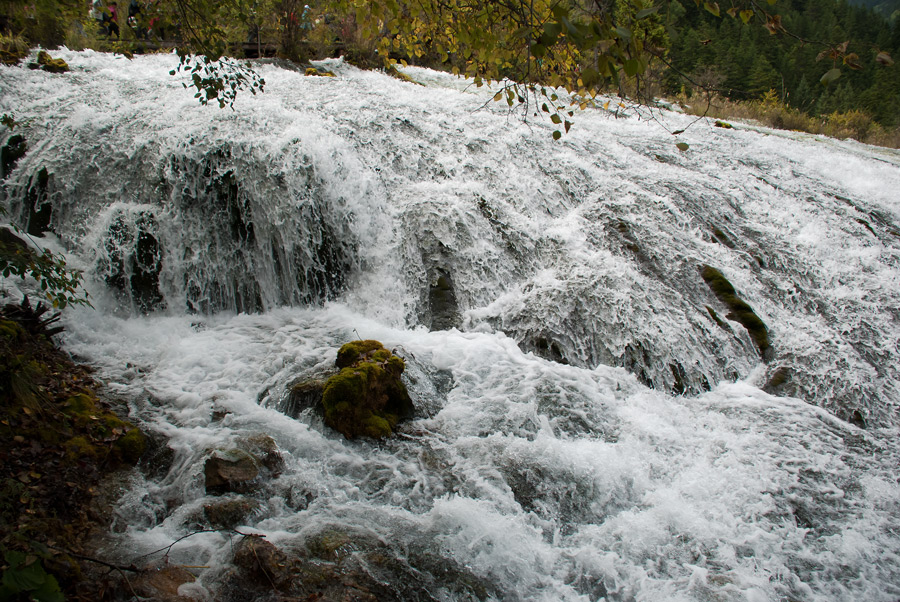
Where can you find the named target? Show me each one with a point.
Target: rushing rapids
(639, 373)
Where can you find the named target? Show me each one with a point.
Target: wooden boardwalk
(250, 50)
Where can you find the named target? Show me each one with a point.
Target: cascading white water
(331, 208)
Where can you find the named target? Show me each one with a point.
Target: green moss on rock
(50, 64)
(740, 311)
(131, 446)
(366, 398)
(80, 447)
(350, 353)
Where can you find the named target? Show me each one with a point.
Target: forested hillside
(887, 8)
(746, 62)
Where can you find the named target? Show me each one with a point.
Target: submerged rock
(366, 398)
(262, 564)
(442, 304)
(162, 584)
(234, 470)
(40, 211)
(303, 395)
(229, 513)
(264, 449)
(10, 153)
(780, 382)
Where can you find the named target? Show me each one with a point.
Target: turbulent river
(593, 420)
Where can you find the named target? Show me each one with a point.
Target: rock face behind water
(366, 398)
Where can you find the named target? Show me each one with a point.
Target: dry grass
(13, 48)
(771, 112)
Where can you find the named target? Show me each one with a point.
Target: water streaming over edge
(522, 478)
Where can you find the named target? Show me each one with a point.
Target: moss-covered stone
(350, 353)
(131, 446)
(740, 311)
(80, 447)
(50, 64)
(396, 73)
(366, 398)
(319, 72)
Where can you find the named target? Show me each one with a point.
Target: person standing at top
(134, 9)
(114, 19)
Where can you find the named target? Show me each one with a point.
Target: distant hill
(889, 8)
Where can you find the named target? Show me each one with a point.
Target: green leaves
(632, 67)
(218, 79)
(712, 8)
(59, 283)
(746, 15)
(830, 76)
(643, 14)
(24, 575)
(551, 33)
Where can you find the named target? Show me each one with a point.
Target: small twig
(169, 547)
(116, 567)
(128, 583)
(262, 568)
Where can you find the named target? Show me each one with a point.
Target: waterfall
(640, 373)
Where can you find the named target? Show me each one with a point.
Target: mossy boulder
(396, 73)
(352, 353)
(366, 398)
(49, 64)
(740, 311)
